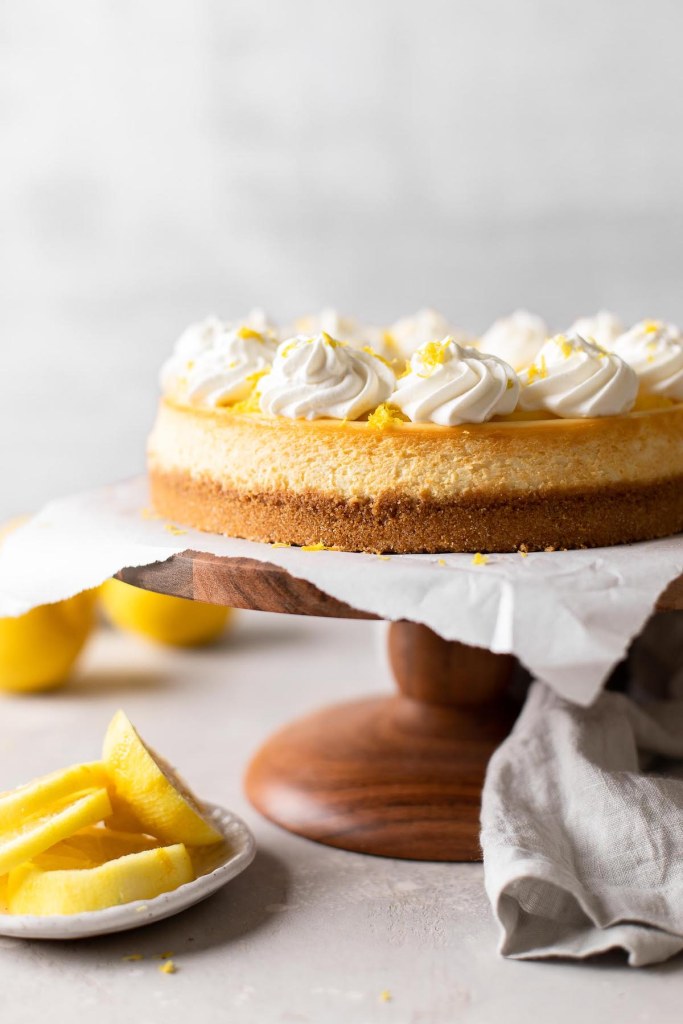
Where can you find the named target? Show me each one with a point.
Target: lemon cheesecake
(304, 438)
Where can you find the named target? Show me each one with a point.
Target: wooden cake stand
(395, 776)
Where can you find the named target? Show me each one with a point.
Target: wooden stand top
(263, 586)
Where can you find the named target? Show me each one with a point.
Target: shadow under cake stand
(397, 776)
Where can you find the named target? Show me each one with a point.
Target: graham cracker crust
(394, 524)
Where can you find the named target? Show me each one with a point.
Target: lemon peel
(138, 876)
(146, 788)
(58, 820)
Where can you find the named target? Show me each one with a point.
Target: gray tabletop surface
(307, 934)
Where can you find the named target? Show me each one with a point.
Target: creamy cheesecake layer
(252, 454)
(411, 488)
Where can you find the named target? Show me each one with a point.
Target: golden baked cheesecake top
(422, 370)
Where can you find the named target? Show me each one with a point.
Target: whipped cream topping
(408, 333)
(604, 328)
(572, 377)
(449, 384)
(316, 377)
(655, 351)
(215, 363)
(517, 339)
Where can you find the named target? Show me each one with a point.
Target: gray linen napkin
(583, 851)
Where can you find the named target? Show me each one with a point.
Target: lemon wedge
(148, 791)
(93, 846)
(137, 876)
(33, 797)
(36, 833)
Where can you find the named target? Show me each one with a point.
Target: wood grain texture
(238, 583)
(262, 586)
(398, 776)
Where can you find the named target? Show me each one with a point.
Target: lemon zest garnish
(168, 968)
(329, 340)
(565, 346)
(479, 559)
(371, 352)
(652, 326)
(386, 415)
(523, 550)
(407, 370)
(385, 996)
(164, 956)
(133, 956)
(537, 371)
(251, 402)
(441, 561)
(280, 544)
(249, 333)
(433, 355)
(385, 558)
(175, 530)
(389, 341)
(314, 547)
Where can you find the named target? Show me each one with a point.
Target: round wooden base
(389, 776)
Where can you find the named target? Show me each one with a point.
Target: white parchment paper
(568, 616)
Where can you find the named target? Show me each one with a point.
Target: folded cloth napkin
(583, 850)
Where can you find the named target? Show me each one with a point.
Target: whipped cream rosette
(517, 338)
(655, 351)
(604, 328)
(216, 363)
(317, 377)
(572, 377)
(448, 384)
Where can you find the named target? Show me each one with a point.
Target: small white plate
(220, 863)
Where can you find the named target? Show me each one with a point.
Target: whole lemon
(168, 620)
(38, 649)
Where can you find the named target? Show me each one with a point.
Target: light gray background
(162, 159)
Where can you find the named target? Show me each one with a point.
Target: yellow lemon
(147, 790)
(59, 820)
(137, 876)
(168, 620)
(20, 804)
(93, 846)
(38, 649)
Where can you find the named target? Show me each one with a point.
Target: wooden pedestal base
(398, 776)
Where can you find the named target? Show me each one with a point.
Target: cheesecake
(308, 439)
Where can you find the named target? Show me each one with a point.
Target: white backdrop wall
(163, 159)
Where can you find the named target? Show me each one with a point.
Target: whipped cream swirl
(604, 328)
(216, 363)
(517, 338)
(572, 377)
(655, 351)
(449, 384)
(316, 377)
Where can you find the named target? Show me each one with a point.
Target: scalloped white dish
(215, 865)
